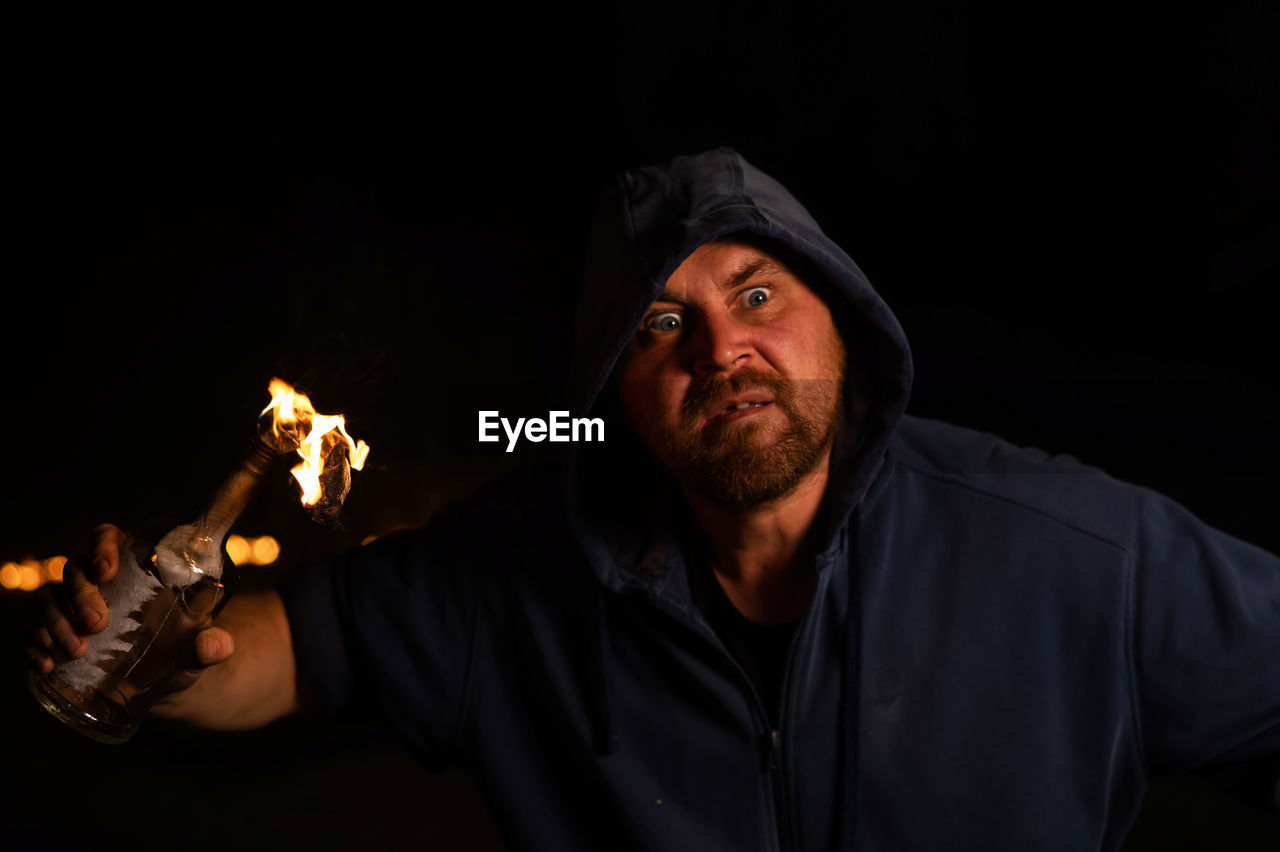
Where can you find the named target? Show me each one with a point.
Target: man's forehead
(725, 262)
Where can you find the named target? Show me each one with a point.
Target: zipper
(769, 735)
(773, 748)
(782, 803)
(773, 763)
(771, 753)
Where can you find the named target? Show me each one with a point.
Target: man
(815, 623)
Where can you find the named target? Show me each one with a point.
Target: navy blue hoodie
(1000, 647)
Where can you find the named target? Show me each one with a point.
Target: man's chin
(741, 487)
(739, 435)
(756, 471)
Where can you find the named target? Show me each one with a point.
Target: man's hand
(245, 691)
(75, 609)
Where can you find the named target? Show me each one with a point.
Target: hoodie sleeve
(389, 628)
(1207, 642)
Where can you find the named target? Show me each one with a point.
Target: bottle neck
(193, 550)
(233, 496)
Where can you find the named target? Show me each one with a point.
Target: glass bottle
(159, 599)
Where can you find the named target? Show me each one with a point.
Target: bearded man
(781, 613)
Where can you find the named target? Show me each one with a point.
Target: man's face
(733, 379)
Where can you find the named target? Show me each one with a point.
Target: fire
(295, 425)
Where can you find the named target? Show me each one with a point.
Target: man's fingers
(104, 553)
(214, 646)
(38, 656)
(60, 629)
(74, 608)
(86, 604)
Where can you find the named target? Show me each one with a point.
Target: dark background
(1074, 214)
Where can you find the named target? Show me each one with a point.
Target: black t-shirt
(761, 649)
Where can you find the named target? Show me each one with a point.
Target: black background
(1074, 215)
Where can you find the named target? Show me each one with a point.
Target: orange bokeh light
(53, 568)
(262, 550)
(265, 550)
(30, 575)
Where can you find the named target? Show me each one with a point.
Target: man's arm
(1206, 642)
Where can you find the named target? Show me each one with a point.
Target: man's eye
(665, 323)
(755, 297)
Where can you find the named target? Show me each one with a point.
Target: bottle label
(126, 595)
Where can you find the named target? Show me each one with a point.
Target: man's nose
(720, 344)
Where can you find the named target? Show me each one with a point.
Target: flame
(291, 415)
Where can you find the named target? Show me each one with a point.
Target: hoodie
(1001, 645)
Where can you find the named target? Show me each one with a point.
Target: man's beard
(732, 464)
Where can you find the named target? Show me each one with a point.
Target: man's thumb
(214, 646)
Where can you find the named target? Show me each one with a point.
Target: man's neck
(760, 556)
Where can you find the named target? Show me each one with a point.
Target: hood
(649, 221)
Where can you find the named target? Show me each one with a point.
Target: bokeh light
(30, 575)
(239, 549)
(10, 576)
(265, 550)
(244, 550)
(53, 568)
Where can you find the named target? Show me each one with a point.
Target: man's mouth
(738, 407)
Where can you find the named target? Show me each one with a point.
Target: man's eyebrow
(750, 269)
(745, 272)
